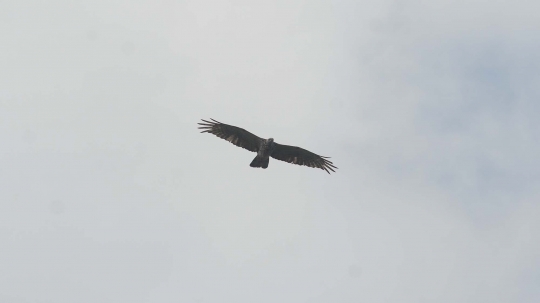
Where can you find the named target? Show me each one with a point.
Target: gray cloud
(109, 193)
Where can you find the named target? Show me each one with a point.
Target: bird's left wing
(236, 135)
(300, 156)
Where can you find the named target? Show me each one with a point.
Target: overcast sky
(430, 109)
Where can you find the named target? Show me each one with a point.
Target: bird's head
(270, 139)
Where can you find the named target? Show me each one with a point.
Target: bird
(265, 148)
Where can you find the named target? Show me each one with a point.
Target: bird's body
(266, 148)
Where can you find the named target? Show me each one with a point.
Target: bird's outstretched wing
(300, 156)
(236, 135)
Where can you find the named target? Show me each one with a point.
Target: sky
(109, 193)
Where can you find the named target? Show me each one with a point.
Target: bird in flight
(265, 148)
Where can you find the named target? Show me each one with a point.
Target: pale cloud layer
(428, 108)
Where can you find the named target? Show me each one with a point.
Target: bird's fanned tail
(259, 161)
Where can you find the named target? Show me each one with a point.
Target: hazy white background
(430, 109)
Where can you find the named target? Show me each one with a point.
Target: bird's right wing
(236, 135)
(300, 156)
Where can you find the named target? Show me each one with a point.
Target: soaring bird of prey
(265, 148)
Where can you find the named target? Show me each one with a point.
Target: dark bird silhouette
(265, 148)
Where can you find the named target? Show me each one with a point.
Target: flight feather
(236, 135)
(300, 156)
